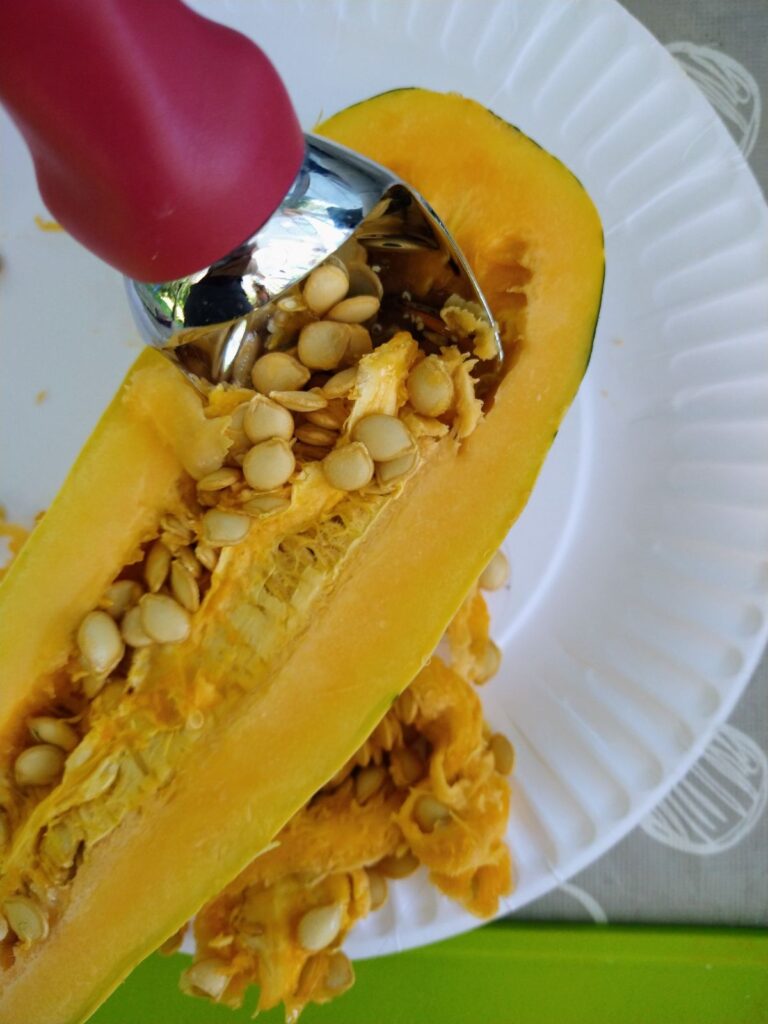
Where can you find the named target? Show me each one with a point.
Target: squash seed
(341, 383)
(364, 281)
(323, 344)
(120, 596)
(430, 387)
(490, 663)
(389, 472)
(320, 926)
(407, 765)
(59, 844)
(368, 782)
(385, 437)
(317, 436)
(186, 556)
(3, 927)
(221, 528)
(47, 729)
(184, 587)
(300, 401)
(329, 419)
(269, 464)
(156, 565)
(100, 642)
(325, 286)
(219, 480)
(377, 887)
(263, 504)
(503, 753)
(340, 975)
(5, 828)
(26, 919)
(265, 419)
(278, 371)
(348, 468)
(398, 867)
(359, 345)
(354, 310)
(39, 765)
(172, 524)
(133, 632)
(164, 619)
(496, 574)
(208, 977)
(428, 813)
(207, 556)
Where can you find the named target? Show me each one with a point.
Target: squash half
(534, 239)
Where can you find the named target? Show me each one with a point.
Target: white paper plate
(639, 599)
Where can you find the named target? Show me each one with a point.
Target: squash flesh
(488, 481)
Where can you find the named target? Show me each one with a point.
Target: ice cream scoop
(167, 144)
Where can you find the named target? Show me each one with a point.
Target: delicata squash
(233, 587)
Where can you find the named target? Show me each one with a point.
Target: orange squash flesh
(529, 229)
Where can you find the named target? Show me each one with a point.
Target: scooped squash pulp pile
(197, 638)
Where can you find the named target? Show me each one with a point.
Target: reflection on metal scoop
(217, 322)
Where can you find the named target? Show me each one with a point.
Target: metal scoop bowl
(217, 322)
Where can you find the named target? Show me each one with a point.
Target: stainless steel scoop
(215, 323)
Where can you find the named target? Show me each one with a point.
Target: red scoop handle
(161, 140)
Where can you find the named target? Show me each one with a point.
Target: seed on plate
(221, 529)
(156, 565)
(368, 782)
(47, 729)
(398, 867)
(503, 753)
(265, 419)
(341, 383)
(100, 642)
(133, 631)
(320, 926)
(385, 437)
(269, 464)
(325, 286)
(377, 886)
(496, 574)
(219, 480)
(354, 310)
(340, 975)
(39, 765)
(120, 596)
(490, 663)
(308, 433)
(164, 619)
(278, 371)
(388, 472)
(184, 587)
(300, 401)
(348, 468)
(430, 387)
(359, 345)
(26, 919)
(207, 556)
(209, 977)
(322, 344)
(428, 813)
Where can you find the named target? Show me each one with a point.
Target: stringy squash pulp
(220, 710)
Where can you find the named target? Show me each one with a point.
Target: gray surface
(643, 879)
